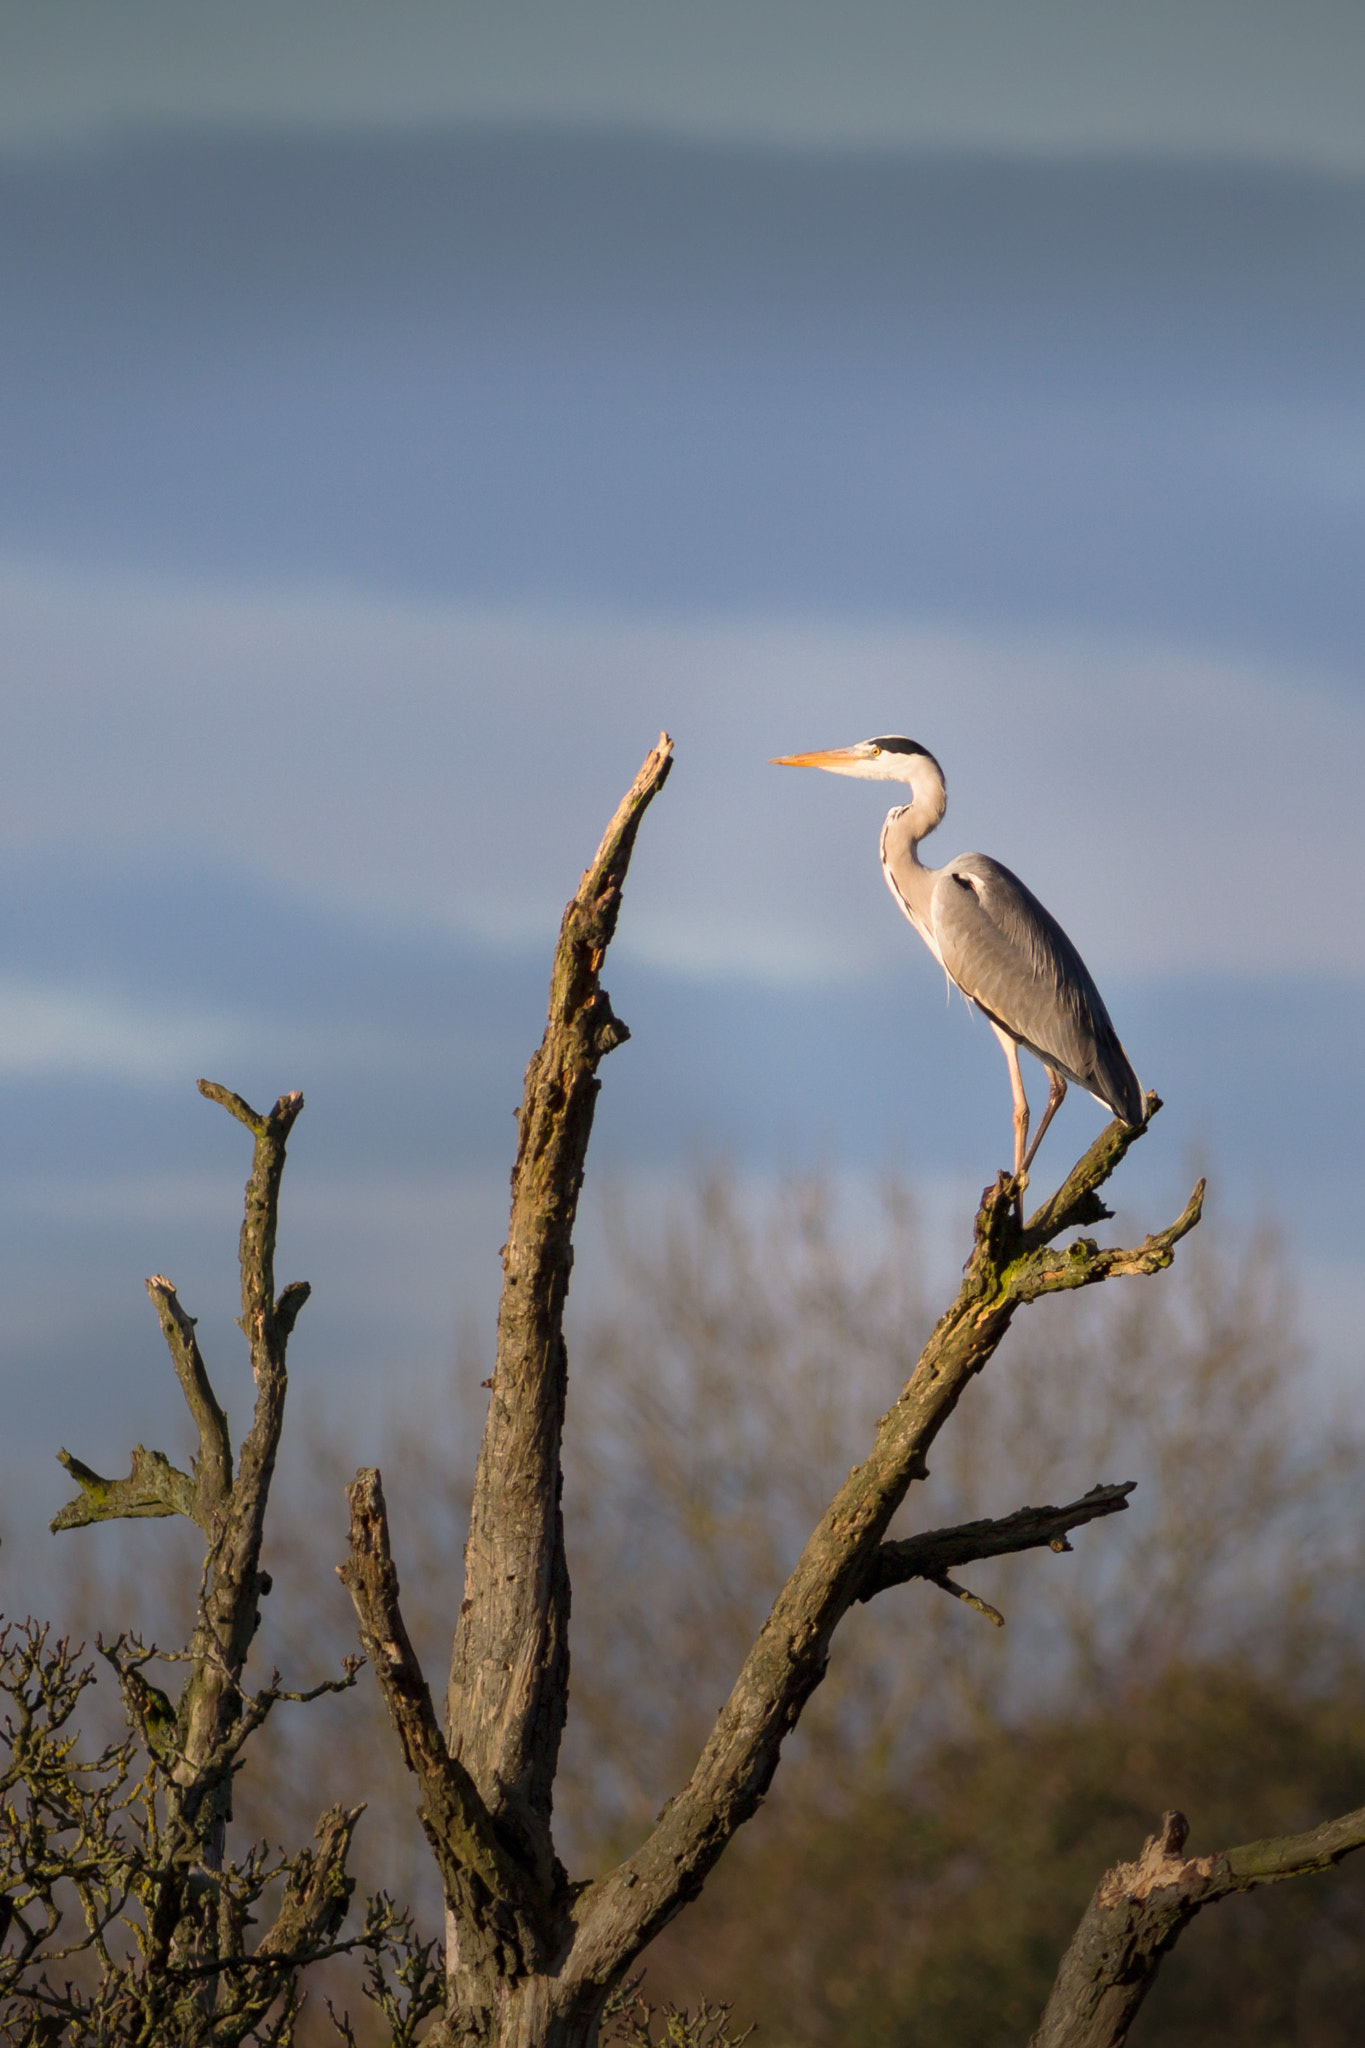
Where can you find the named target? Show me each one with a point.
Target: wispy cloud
(53, 1032)
(1180, 810)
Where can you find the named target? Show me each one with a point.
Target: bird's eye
(875, 748)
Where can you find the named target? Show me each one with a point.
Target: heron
(996, 942)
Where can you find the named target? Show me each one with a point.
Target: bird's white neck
(909, 823)
(911, 883)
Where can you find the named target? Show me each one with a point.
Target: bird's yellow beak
(832, 757)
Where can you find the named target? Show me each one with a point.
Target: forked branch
(230, 1511)
(1009, 1268)
(475, 1867)
(154, 1486)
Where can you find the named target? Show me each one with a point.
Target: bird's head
(887, 759)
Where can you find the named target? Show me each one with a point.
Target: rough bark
(509, 1667)
(1139, 1910)
(504, 1916)
(486, 1790)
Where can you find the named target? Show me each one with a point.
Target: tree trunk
(541, 2011)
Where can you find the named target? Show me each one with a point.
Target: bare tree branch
(1008, 1268)
(1139, 1910)
(509, 1663)
(154, 1486)
(119, 1858)
(1279, 1856)
(231, 1616)
(969, 1599)
(1077, 1201)
(475, 1866)
(213, 1467)
(932, 1555)
(940, 1550)
(230, 1511)
(317, 1894)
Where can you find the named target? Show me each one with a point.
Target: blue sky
(399, 429)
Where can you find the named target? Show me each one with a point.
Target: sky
(408, 413)
(1248, 79)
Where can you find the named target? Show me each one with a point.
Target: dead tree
(533, 1955)
(132, 1836)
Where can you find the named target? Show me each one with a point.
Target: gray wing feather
(1010, 955)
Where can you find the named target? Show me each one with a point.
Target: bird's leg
(1011, 1052)
(1055, 1094)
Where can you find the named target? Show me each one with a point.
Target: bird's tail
(1117, 1086)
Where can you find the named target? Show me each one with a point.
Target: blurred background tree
(954, 1791)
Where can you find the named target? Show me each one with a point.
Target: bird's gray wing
(1010, 955)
